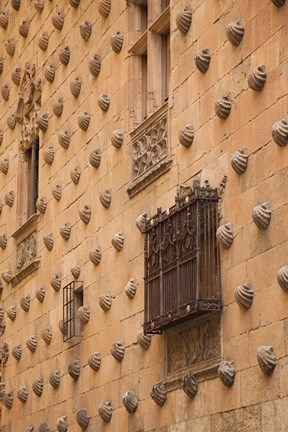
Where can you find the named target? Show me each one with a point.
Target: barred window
(72, 300)
(182, 275)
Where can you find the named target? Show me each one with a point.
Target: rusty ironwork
(182, 275)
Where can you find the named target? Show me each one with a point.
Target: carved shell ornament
(49, 72)
(4, 166)
(16, 4)
(5, 92)
(11, 121)
(1, 64)
(4, 19)
(40, 293)
(22, 394)
(3, 241)
(6, 275)
(95, 256)
(42, 122)
(85, 214)
(190, 385)
(62, 325)
(56, 281)
(244, 295)
(105, 410)
(74, 3)
(55, 378)
(95, 65)
(186, 135)
(64, 138)
(226, 372)
(48, 241)
(48, 155)
(105, 198)
(24, 28)
(17, 352)
(82, 418)
(235, 32)
(41, 205)
(267, 359)
(158, 393)
(104, 7)
(64, 55)
(74, 370)
(202, 60)
(31, 343)
(257, 78)
(117, 138)
(10, 47)
(8, 400)
(75, 86)
(58, 20)
(83, 313)
(44, 427)
(38, 386)
(262, 215)
(84, 120)
(43, 41)
(58, 107)
(105, 302)
(85, 30)
(16, 76)
(225, 235)
(117, 42)
(278, 3)
(184, 20)
(47, 335)
(223, 107)
(25, 303)
(280, 132)
(75, 174)
(1, 136)
(11, 312)
(118, 350)
(104, 102)
(76, 270)
(130, 401)
(144, 340)
(39, 5)
(118, 241)
(2, 314)
(2, 391)
(239, 160)
(57, 192)
(95, 158)
(282, 278)
(94, 361)
(62, 424)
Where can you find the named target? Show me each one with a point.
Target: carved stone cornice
(25, 271)
(27, 228)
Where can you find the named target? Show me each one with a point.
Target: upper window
(72, 301)
(182, 276)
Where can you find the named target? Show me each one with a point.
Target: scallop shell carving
(15, 4)
(280, 132)
(8, 400)
(95, 158)
(2, 314)
(11, 121)
(95, 65)
(186, 135)
(278, 3)
(105, 410)
(118, 241)
(74, 3)
(24, 28)
(1, 136)
(48, 241)
(43, 41)
(38, 386)
(105, 302)
(5, 92)
(75, 174)
(244, 296)
(16, 76)
(85, 30)
(130, 289)
(282, 278)
(49, 72)
(239, 160)
(262, 215)
(4, 19)
(117, 138)
(4, 166)
(118, 350)
(2, 391)
(44, 427)
(183, 20)
(47, 335)
(117, 42)
(85, 214)
(55, 378)
(31, 343)
(41, 205)
(141, 223)
(11, 312)
(64, 55)
(25, 303)
(223, 107)
(3, 241)
(190, 384)
(266, 359)
(58, 20)
(75, 86)
(130, 401)
(257, 78)
(10, 47)
(226, 372)
(58, 107)
(95, 256)
(82, 418)
(56, 281)
(22, 394)
(235, 32)
(62, 424)
(105, 198)
(39, 5)
(62, 327)
(57, 192)
(84, 120)
(65, 231)
(144, 340)
(104, 102)
(225, 235)
(7, 275)
(202, 60)
(64, 138)
(48, 155)
(158, 393)
(94, 361)
(104, 7)
(40, 293)
(17, 352)
(42, 122)
(74, 370)
(83, 313)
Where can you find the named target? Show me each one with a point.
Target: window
(72, 300)
(182, 276)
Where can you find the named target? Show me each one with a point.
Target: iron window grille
(182, 272)
(72, 300)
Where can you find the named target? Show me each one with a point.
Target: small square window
(72, 300)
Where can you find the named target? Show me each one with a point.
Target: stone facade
(123, 116)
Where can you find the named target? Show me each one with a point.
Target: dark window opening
(32, 178)
(72, 300)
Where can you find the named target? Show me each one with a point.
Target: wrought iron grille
(182, 275)
(72, 300)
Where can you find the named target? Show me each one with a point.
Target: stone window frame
(73, 298)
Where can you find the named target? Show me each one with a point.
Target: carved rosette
(74, 370)
(261, 215)
(186, 135)
(226, 372)
(83, 313)
(17, 352)
(117, 138)
(118, 350)
(22, 394)
(25, 303)
(31, 343)
(158, 393)
(225, 235)
(104, 7)
(94, 361)
(280, 132)
(105, 302)
(95, 65)
(95, 158)
(48, 241)
(40, 293)
(257, 78)
(184, 20)
(105, 198)
(82, 418)
(56, 281)
(235, 32)
(202, 60)
(85, 30)
(239, 160)
(105, 410)
(144, 340)
(85, 213)
(130, 401)
(104, 102)
(65, 231)
(62, 424)
(190, 384)
(75, 174)
(267, 359)
(12, 312)
(75, 86)
(95, 256)
(8, 400)
(47, 335)
(58, 20)
(64, 138)
(117, 41)
(55, 378)
(118, 241)
(38, 386)
(76, 270)
(84, 120)
(223, 107)
(244, 295)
